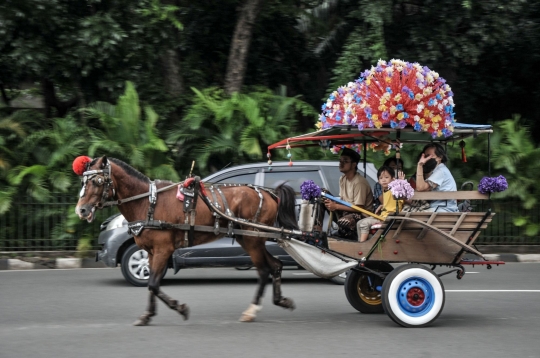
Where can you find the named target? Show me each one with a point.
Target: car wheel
(243, 268)
(340, 279)
(135, 267)
(363, 290)
(413, 296)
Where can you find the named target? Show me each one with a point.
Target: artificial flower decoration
(490, 185)
(310, 190)
(79, 164)
(395, 94)
(401, 189)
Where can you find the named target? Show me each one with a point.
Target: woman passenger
(440, 180)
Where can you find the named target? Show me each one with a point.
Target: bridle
(99, 177)
(103, 176)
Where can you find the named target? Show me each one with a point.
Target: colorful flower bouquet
(309, 190)
(401, 189)
(395, 94)
(490, 185)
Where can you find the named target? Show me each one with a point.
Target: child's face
(384, 179)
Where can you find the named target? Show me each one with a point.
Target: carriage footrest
(482, 262)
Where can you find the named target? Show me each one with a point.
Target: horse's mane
(127, 168)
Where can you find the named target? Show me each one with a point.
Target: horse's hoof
(141, 322)
(183, 309)
(250, 314)
(247, 318)
(287, 303)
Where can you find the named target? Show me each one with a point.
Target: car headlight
(117, 222)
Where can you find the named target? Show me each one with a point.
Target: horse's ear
(104, 161)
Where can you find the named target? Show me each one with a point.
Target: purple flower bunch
(489, 185)
(401, 189)
(310, 190)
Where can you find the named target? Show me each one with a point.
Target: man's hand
(330, 205)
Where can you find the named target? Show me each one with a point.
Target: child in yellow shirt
(386, 175)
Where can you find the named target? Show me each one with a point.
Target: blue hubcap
(415, 296)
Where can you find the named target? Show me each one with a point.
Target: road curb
(58, 263)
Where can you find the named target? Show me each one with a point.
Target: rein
(103, 177)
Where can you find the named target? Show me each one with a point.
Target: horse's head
(97, 186)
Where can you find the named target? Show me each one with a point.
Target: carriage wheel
(413, 296)
(361, 288)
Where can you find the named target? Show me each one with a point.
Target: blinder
(99, 177)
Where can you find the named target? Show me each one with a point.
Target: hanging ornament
(463, 155)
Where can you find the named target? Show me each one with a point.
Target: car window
(248, 178)
(293, 178)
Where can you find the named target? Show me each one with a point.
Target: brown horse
(111, 179)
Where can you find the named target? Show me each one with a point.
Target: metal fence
(52, 226)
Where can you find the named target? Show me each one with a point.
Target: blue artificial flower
(399, 107)
(417, 126)
(490, 185)
(438, 96)
(310, 190)
(448, 109)
(332, 97)
(389, 90)
(393, 124)
(431, 102)
(323, 106)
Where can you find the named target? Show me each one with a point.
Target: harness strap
(260, 202)
(230, 228)
(140, 196)
(153, 199)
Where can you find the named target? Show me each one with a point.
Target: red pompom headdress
(79, 164)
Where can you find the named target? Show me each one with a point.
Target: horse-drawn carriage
(164, 216)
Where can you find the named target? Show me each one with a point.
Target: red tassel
(463, 155)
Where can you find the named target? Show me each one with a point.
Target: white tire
(413, 295)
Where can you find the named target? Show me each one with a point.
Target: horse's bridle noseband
(99, 177)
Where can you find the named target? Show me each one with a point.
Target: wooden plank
(424, 230)
(449, 195)
(458, 223)
(443, 234)
(400, 226)
(433, 249)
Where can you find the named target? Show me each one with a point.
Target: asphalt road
(88, 313)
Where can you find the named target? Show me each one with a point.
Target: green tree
(129, 132)
(219, 130)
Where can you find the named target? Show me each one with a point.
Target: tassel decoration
(463, 155)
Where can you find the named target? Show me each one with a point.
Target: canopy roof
(350, 134)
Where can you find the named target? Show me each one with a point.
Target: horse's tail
(286, 216)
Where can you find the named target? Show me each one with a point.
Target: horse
(110, 180)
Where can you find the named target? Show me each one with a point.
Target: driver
(354, 189)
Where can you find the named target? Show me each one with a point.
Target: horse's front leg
(158, 264)
(150, 311)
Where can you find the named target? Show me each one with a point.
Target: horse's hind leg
(276, 267)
